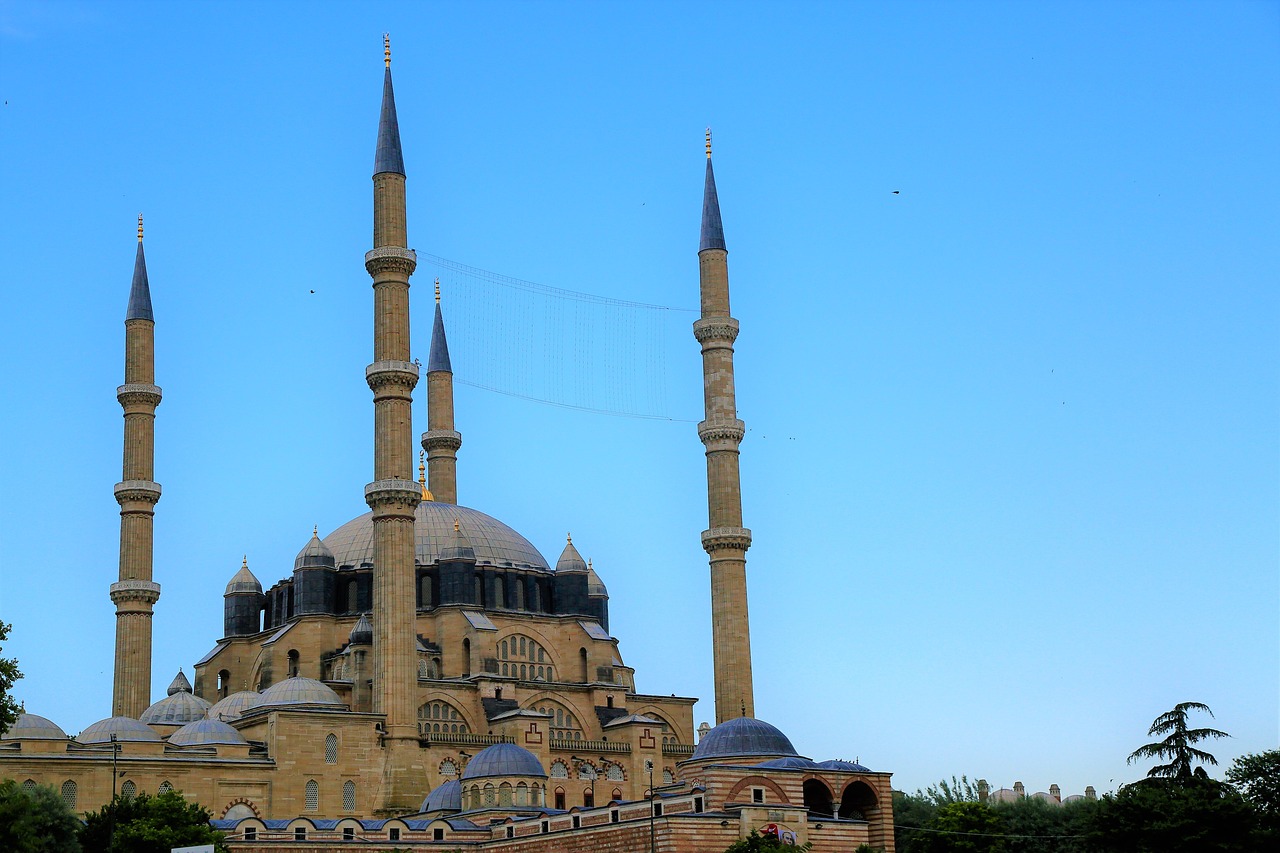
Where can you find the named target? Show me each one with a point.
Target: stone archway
(817, 797)
(858, 802)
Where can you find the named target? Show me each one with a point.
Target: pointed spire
(459, 548)
(570, 560)
(362, 632)
(388, 157)
(140, 292)
(179, 684)
(243, 580)
(438, 359)
(712, 228)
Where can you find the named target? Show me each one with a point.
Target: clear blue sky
(1014, 468)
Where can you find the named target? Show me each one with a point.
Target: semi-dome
(791, 762)
(243, 581)
(314, 555)
(743, 737)
(495, 543)
(300, 692)
(124, 728)
(34, 727)
(840, 764)
(445, 798)
(233, 707)
(207, 732)
(176, 709)
(503, 759)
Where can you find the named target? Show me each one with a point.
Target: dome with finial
(124, 728)
(445, 798)
(459, 547)
(207, 732)
(744, 737)
(503, 759)
(243, 580)
(34, 727)
(362, 632)
(570, 560)
(299, 692)
(595, 586)
(180, 707)
(232, 707)
(315, 554)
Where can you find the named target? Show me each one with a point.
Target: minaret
(393, 495)
(137, 493)
(725, 539)
(441, 440)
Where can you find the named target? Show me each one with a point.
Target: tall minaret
(137, 493)
(725, 539)
(393, 495)
(441, 440)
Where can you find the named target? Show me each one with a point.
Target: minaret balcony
(136, 395)
(726, 539)
(137, 491)
(392, 259)
(714, 332)
(441, 439)
(385, 378)
(135, 592)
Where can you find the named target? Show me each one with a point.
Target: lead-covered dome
(180, 707)
(495, 543)
(207, 732)
(315, 554)
(233, 707)
(299, 692)
(124, 728)
(34, 727)
(841, 764)
(743, 737)
(445, 798)
(503, 759)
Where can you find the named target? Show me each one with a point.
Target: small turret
(362, 632)
(571, 582)
(242, 604)
(361, 638)
(570, 560)
(458, 576)
(314, 577)
(179, 684)
(597, 597)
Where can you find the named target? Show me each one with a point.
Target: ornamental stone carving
(716, 329)
(726, 538)
(136, 394)
(137, 491)
(393, 375)
(441, 439)
(717, 432)
(393, 498)
(139, 591)
(391, 259)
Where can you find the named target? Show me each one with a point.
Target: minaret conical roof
(388, 157)
(570, 560)
(179, 684)
(712, 228)
(460, 546)
(243, 581)
(438, 360)
(140, 292)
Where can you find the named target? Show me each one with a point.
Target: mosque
(426, 676)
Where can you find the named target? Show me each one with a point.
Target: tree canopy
(1177, 747)
(1257, 778)
(35, 820)
(9, 673)
(145, 824)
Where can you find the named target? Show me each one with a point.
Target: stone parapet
(393, 498)
(713, 331)
(135, 591)
(137, 491)
(391, 259)
(385, 378)
(724, 435)
(726, 538)
(441, 439)
(136, 394)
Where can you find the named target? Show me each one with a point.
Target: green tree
(35, 821)
(963, 828)
(956, 791)
(910, 812)
(9, 673)
(146, 824)
(1155, 815)
(757, 843)
(1033, 825)
(1177, 745)
(1257, 777)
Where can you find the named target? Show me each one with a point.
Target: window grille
(349, 796)
(313, 795)
(331, 749)
(69, 794)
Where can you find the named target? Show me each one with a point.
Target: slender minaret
(137, 493)
(393, 495)
(441, 440)
(725, 539)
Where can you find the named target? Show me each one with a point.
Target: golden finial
(457, 526)
(437, 290)
(139, 227)
(708, 143)
(244, 564)
(315, 530)
(569, 537)
(422, 477)
(386, 48)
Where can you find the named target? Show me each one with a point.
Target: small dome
(503, 759)
(595, 586)
(361, 632)
(744, 736)
(314, 555)
(789, 763)
(459, 546)
(207, 732)
(838, 764)
(124, 728)
(233, 707)
(570, 560)
(298, 691)
(34, 727)
(179, 684)
(243, 581)
(445, 798)
(176, 709)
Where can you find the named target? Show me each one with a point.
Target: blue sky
(1013, 470)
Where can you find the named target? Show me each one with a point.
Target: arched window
(617, 794)
(522, 794)
(817, 797)
(424, 591)
(559, 770)
(504, 794)
(29, 785)
(348, 796)
(517, 656)
(614, 773)
(293, 663)
(448, 767)
(69, 794)
(559, 799)
(466, 657)
(129, 790)
(313, 795)
(331, 749)
(582, 666)
(165, 788)
(668, 778)
(224, 683)
(489, 797)
(563, 724)
(432, 714)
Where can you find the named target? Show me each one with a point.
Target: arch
(69, 794)
(29, 785)
(129, 789)
(817, 796)
(582, 666)
(559, 770)
(293, 663)
(668, 777)
(331, 748)
(424, 591)
(165, 788)
(348, 796)
(522, 794)
(749, 782)
(239, 809)
(504, 794)
(224, 683)
(559, 799)
(617, 795)
(441, 715)
(614, 772)
(489, 793)
(423, 670)
(448, 767)
(524, 656)
(312, 795)
(564, 722)
(858, 801)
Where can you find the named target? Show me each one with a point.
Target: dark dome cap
(315, 554)
(743, 737)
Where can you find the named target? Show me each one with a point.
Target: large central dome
(495, 544)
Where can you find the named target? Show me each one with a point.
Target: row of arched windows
(312, 795)
(70, 790)
(586, 770)
(440, 717)
(503, 795)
